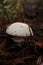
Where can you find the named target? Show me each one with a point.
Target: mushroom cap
(19, 29)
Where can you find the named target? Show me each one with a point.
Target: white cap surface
(19, 29)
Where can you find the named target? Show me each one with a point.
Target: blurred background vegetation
(11, 9)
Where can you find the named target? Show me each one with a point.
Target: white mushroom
(19, 30)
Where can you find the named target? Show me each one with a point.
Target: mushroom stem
(18, 40)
